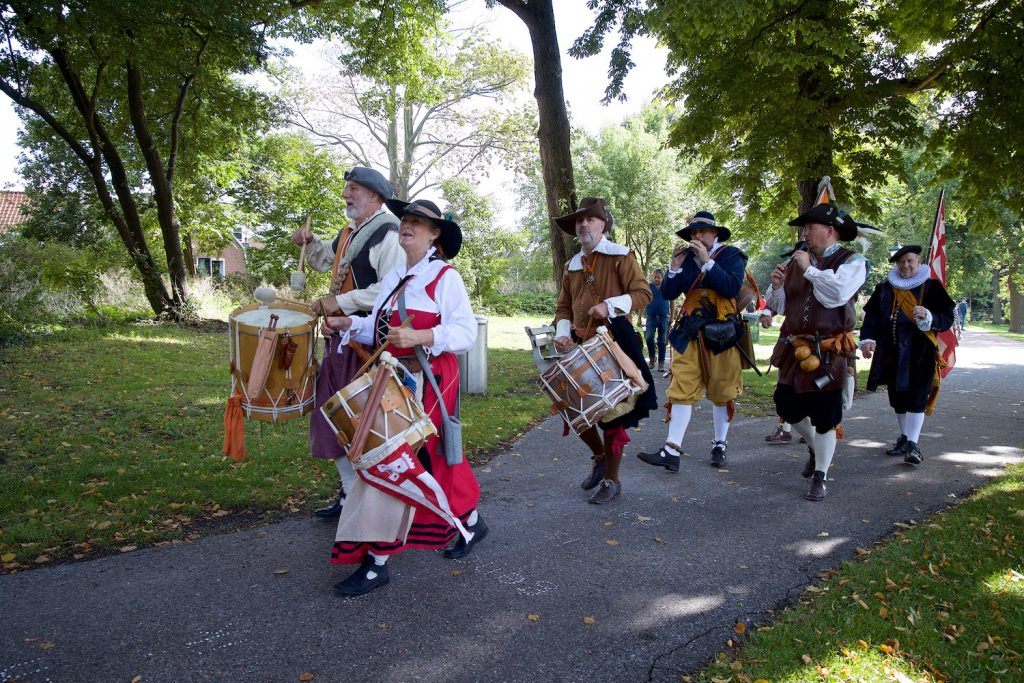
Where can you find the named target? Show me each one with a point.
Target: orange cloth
(234, 429)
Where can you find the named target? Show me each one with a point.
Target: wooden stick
(369, 414)
(380, 350)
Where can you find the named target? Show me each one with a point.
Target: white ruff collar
(898, 282)
(605, 246)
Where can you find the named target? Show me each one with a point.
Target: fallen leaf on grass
(740, 628)
(805, 658)
(589, 620)
(862, 644)
(862, 551)
(7, 557)
(128, 548)
(42, 558)
(533, 617)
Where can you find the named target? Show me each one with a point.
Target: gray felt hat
(374, 180)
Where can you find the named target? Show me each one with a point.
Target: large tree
(452, 116)
(553, 132)
(780, 93)
(125, 86)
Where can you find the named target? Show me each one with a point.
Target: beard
(352, 211)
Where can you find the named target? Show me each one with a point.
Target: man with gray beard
(359, 257)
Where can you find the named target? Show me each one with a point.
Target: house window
(210, 266)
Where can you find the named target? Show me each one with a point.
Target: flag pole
(935, 224)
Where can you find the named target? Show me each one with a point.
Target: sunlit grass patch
(940, 600)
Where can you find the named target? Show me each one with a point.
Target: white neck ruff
(908, 282)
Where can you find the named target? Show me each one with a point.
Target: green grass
(942, 600)
(112, 440)
(1003, 330)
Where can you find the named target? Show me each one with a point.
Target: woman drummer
(373, 525)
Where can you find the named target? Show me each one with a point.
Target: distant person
(963, 313)
(657, 320)
(900, 321)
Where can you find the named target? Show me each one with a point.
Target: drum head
(260, 317)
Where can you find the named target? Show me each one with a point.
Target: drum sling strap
(451, 425)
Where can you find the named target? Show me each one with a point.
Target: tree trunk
(1015, 283)
(553, 133)
(190, 253)
(997, 307)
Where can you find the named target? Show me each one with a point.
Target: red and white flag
(937, 264)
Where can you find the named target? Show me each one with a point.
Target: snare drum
(588, 382)
(291, 381)
(398, 419)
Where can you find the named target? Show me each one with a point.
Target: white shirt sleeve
(457, 331)
(319, 255)
(775, 299)
(708, 266)
(623, 303)
(833, 289)
(926, 324)
(385, 256)
(563, 328)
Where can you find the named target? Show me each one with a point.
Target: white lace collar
(605, 246)
(419, 267)
(923, 273)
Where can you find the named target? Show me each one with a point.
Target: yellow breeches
(689, 384)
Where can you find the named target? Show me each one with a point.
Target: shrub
(520, 303)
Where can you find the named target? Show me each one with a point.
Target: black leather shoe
(898, 448)
(809, 465)
(718, 453)
(661, 459)
(817, 490)
(595, 476)
(370, 575)
(912, 454)
(608, 492)
(333, 510)
(462, 546)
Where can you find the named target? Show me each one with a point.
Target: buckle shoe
(779, 436)
(817, 491)
(898, 448)
(608, 492)
(718, 453)
(595, 476)
(333, 510)
(661, 459)
(462, 547)
(370, 575)
(912, 454)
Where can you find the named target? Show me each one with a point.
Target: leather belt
(410, 363)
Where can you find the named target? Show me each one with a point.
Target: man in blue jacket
(706, 361)
(657, 313)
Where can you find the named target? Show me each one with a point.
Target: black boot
(817, 490)
(333, 510)
(360, 582)
(898, 448)
(809, 465)
(462, 546)
(595, 476)
(912, 454)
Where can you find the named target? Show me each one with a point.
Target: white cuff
(926, 324)
(708, 266)
(672, 272)
(440, 344)
(621, 302)
(563, 328)
(862, 342)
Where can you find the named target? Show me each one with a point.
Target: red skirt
(458, 482)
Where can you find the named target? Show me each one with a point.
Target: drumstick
(376, 354)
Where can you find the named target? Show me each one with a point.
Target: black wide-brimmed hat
(704, 220)
(828, 214)
(903, 251)
(450, 239)
(589, 206)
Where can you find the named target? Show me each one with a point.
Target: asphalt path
(645, 588)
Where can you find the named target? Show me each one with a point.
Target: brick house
(231, 259)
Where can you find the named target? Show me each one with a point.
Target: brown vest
(806, 316)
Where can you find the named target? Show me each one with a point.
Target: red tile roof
(10, 208)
